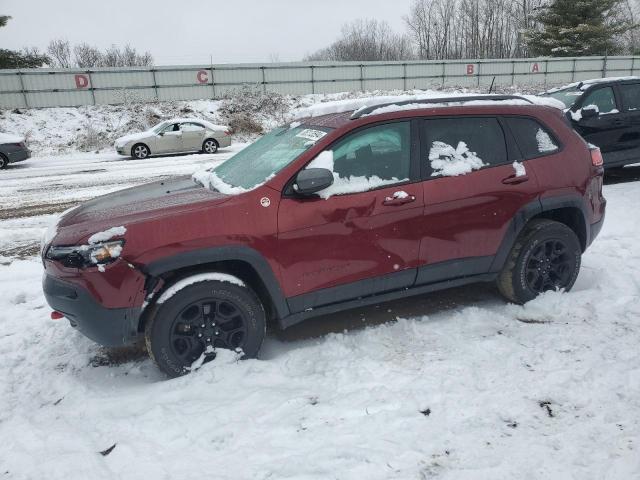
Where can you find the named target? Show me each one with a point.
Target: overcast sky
(189, 31)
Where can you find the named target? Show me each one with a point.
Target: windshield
(267, 156)
(158, 128)
(568, 96)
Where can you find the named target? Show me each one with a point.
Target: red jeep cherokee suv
(330, 213)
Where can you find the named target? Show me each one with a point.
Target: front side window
(532, 138)
(603, 99)
(457, 146)
(630, 96)
(368, 159)
(252, 166)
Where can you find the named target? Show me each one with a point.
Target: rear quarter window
(533, 139)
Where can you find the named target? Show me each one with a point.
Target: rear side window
(532, 138)
(457, 146)
(630, 96)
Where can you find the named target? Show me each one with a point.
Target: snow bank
(107, 235)
(202, 277)
(448, 161)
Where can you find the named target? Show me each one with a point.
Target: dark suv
(606, 112)
(330, 213)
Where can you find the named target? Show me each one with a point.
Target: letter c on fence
(470, 68)
(82, 81)
(202, 76)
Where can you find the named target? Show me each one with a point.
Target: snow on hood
(341, 106)
(133, 136)
(9, 138)
(136, 204)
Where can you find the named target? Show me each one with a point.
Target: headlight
(82, 256)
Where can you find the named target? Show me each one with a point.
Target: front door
(472, 190)
(358, 237)
(606, 130)
(169, 140)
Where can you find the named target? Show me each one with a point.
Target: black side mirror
(161, 134)
(312, 180)
(589, 113)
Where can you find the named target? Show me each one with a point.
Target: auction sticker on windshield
(311, 134)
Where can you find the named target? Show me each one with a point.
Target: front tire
(4, 163)
(201, 318)
(546, 256)
(209, 146)
(140, 151)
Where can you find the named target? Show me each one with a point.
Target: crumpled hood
(135, 205)
(132, 137)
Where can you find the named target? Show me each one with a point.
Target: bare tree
(59, 52)
(86, 56)
(367, 40)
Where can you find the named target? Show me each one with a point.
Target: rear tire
(210, 146)
(209, 313)
(140, 151)
(546, 256)
(3, 161)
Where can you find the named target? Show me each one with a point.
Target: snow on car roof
(8, 138)
(209, 125)
(388, 103)
(584, 84)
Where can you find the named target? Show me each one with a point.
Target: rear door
(472, 190)
(192, 136)
(629, 94)
(606, 130)
(359, 237)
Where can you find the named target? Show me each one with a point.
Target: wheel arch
(567, 209)
(140, 143)
(243, 262)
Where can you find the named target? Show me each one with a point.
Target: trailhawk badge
(265, 202)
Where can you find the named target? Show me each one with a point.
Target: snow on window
(519, 169)
(545, 144)
(351, 184)
(448, 161)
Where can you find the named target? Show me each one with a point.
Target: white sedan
(177, 135)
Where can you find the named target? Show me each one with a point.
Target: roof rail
(496, 98)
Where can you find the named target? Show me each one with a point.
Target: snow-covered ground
(477, 389)
(452, 385)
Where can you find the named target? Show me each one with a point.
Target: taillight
(596, 156)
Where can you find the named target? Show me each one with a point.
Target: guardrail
(75, 87)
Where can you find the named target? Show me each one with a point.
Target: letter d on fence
(82, 81)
